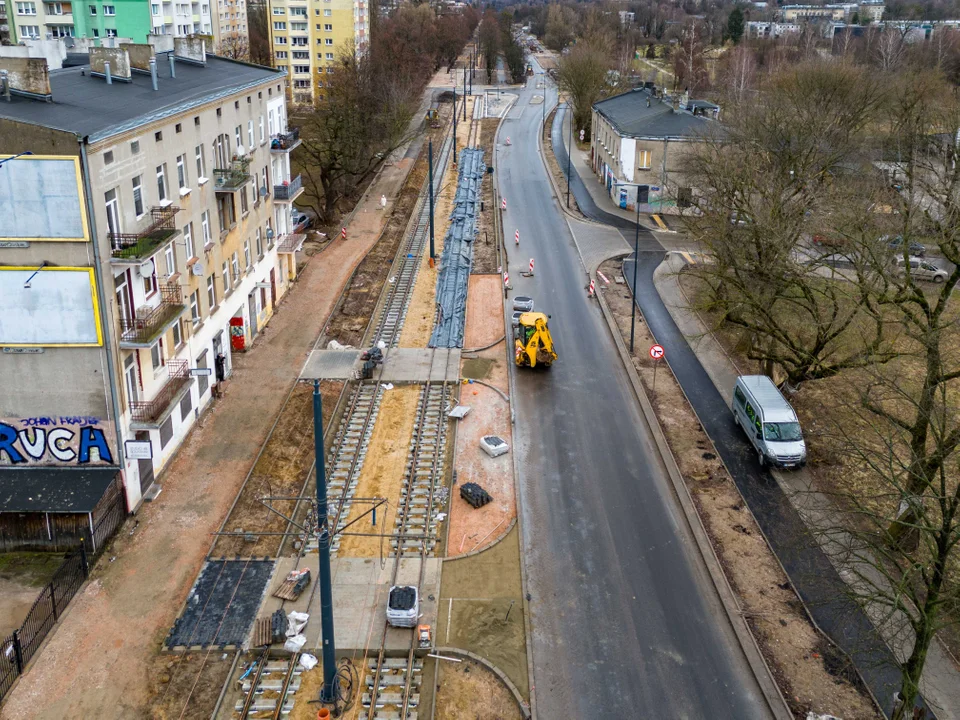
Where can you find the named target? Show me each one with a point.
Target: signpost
(656, 352)
(197, 372)
(138, 449)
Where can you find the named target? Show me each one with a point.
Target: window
(328, 41)
(150, 283)
(280, 40)
(327, 12)
(138, 196)
(96, 33)
(93, 9)
(299, 41)
(109, 10)
(56, 8)
(170, 255)
(280, 54)
(211, 292)
(30, 31)
(298, 26)
(201, 174)
(300, 11)
(262, 137)
(684, 197)
(162, 183)
(135, 147)
(189, 248)
(301, 55)
(178, 337)
(279, 26)
(226, 278)
(301, 83)
(156, 355)
(205, 227)
(235, 264)
(328, 27)
(196, 121)
(259, 243)
(301, 68)
(182, 171)
(195, 307)
(238, 134)
(250, 136)
(111, 32)
(243, 200)
(177, 128)
(278, 11)
(643, 159)
(108, 157)
(158, 136)
(246, 253)
(329, 57)
(113, 211)
(27, 8)
(155, 8)
(225, 213)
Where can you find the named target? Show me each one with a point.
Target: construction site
(410, 370)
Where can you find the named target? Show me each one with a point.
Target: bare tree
(234, 46)
(259, 33)
(891, 47)
(583, 74)
(689, 65)
(740, 74)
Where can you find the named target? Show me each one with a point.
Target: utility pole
(454, 121)
(328, 692)
(636, 261)
(433, 254)
(569, 154)
(464, 94)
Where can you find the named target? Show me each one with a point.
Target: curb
(474, 553)
(748, 644)
(508, 683)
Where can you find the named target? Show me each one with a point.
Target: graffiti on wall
(56, 440)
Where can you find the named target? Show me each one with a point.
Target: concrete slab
(332, 365)
(360, 588)
(419, 365)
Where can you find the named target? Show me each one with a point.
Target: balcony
(231, 179)
(289, 191)
(285, 142)
(142, 330)
(136, 247)
(154, 412)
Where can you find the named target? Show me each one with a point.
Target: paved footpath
(96, 662)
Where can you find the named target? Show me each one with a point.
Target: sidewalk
(941, 678)
(97, 662)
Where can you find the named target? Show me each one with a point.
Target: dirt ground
(187, 686)
(560, 175)
(133, 601)
(22, 575)
(481, 608)
(281, 470)
(468, 691)
(809, 673)
(485, 247)
(349, 321)
(382, 473)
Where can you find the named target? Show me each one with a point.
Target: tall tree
(689, 58)
(259, 33)
(583, 75)
(735, 25)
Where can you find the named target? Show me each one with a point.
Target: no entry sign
(656, 352)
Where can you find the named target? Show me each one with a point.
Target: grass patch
(35, 569)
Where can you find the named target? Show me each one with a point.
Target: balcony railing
(231, 179)
(143, 330)
(289, 190)
(150, 411)
(285, 142)
(138, 246)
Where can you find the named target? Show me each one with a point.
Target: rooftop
(88, 106)
(53, 489)
(638, 113)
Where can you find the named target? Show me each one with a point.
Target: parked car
(299, 220)
(523, 303)
(896, 244)
(769, 422)
(824, 240)
(922, 269)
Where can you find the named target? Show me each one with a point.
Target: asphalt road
(625, 620)
(814, 577)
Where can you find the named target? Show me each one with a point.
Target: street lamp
(636, 261)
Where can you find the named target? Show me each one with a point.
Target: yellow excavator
(534, 345)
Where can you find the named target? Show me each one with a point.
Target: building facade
(230, 31)
(306, 37)
(181, 220)
(131, 19)
(638, 140)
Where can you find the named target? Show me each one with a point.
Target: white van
(769, 422)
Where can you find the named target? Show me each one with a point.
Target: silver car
(923, 269)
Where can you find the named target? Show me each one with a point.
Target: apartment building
(867, 11)
(230, 25)
(108, 18)
(147, 242)
(7, 33)
(307, 35)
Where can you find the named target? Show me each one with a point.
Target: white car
(923, 269)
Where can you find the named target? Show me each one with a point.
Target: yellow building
(307, 35)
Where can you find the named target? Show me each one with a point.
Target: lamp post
(636, 261)
(569, 153)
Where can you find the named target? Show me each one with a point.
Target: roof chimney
(191, 49)
(29, 77)
(139, 54)
(153, 72)
(106, 71)
(173, 65)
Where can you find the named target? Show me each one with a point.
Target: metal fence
(18, 649)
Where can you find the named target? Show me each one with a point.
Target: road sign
(196, 372)
(656, 352)
(581, 136)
